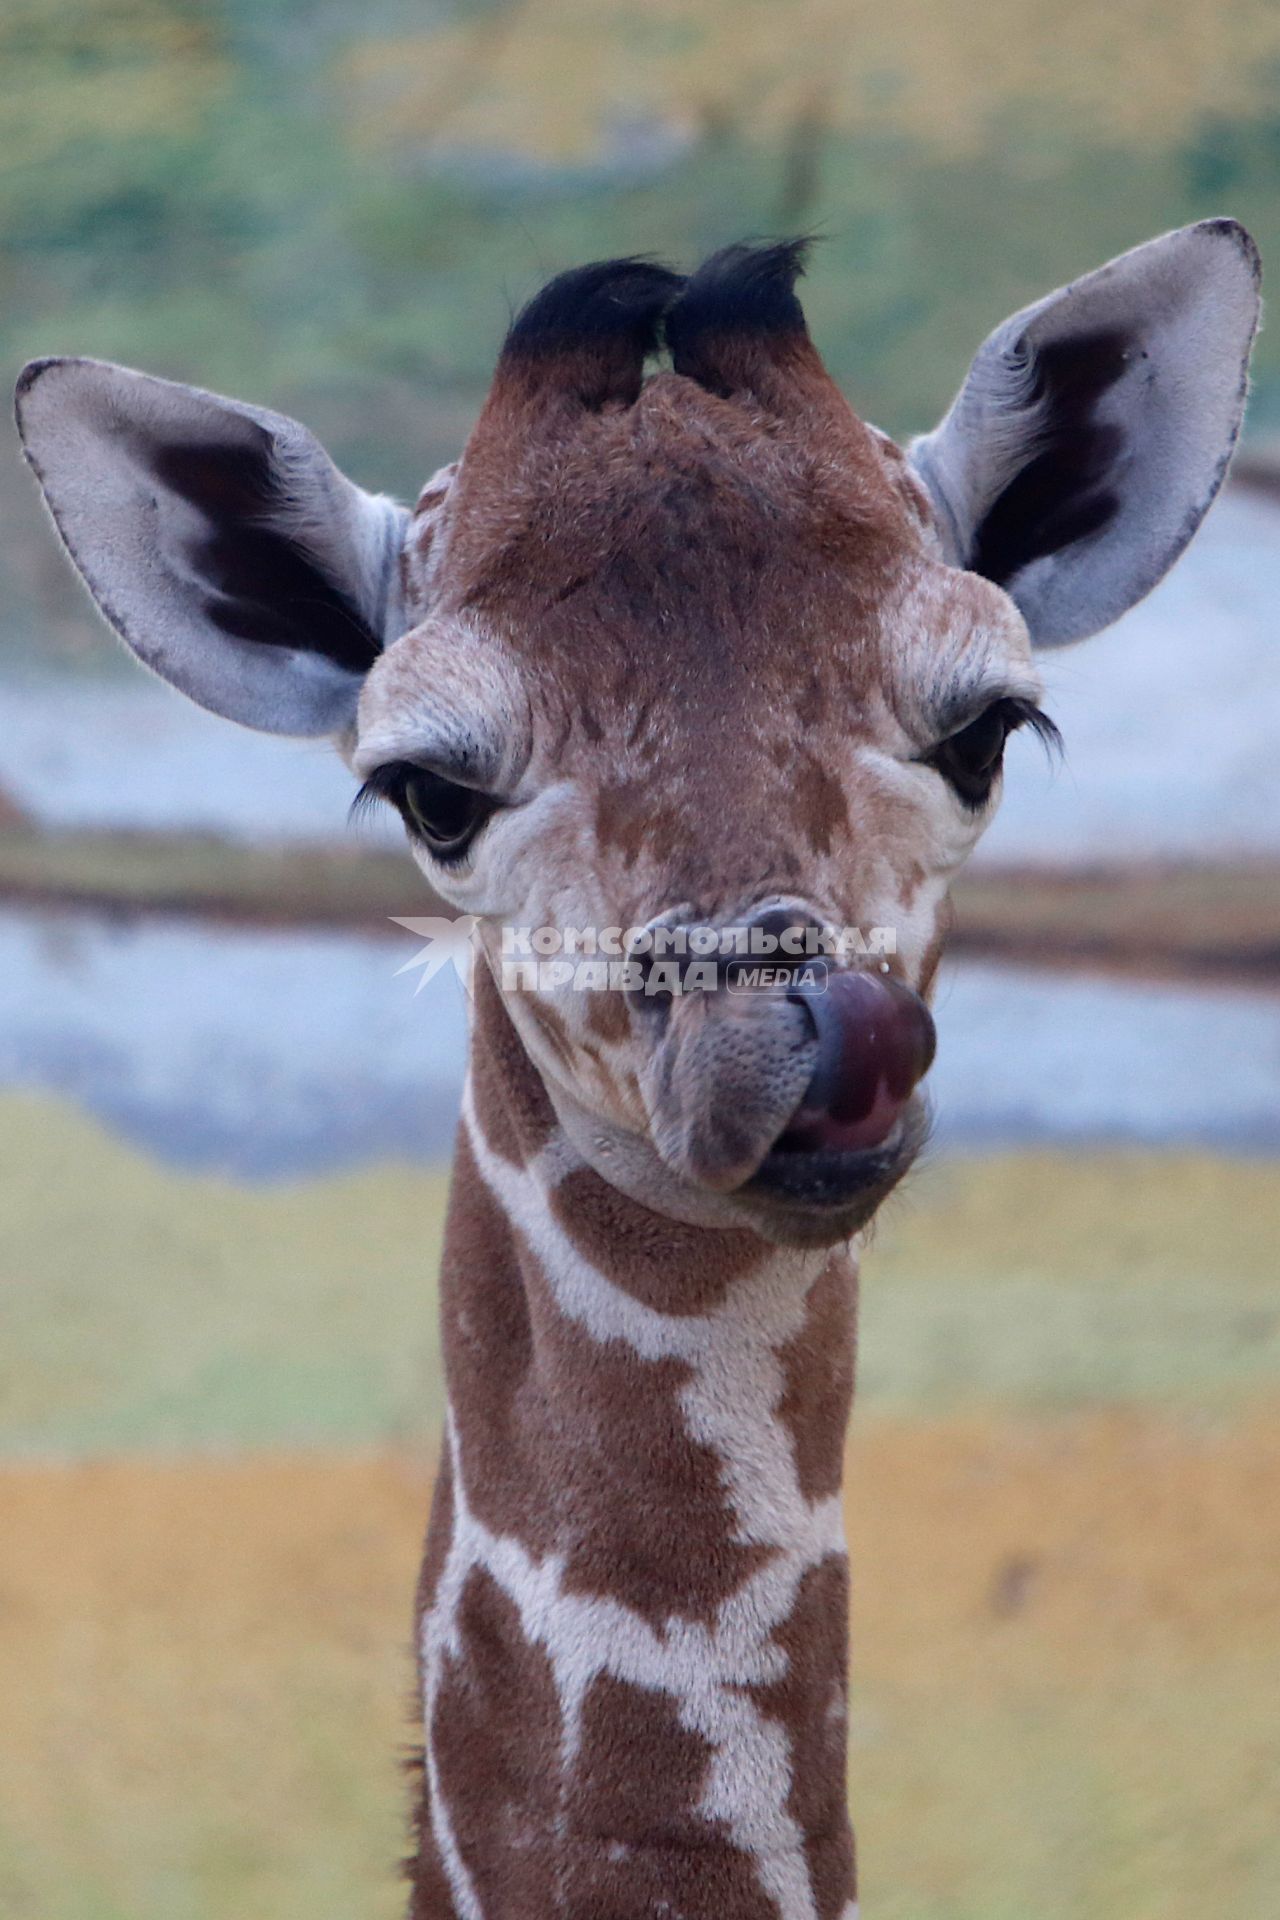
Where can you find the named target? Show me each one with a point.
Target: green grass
(1074, 1280)
(143, 1308)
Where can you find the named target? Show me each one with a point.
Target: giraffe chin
(816, 1191)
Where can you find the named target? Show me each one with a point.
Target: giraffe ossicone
(696, 653)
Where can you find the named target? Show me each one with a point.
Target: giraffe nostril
(876, 1042)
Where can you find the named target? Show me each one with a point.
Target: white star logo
(449, 943)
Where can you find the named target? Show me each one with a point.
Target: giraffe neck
(634, 1605)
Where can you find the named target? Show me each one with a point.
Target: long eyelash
(383, 784)
(1027, 714)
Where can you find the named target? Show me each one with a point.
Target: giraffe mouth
(875, 1042)
(861, 1122)
(829, 1179)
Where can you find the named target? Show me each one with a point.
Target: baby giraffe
(703, 668)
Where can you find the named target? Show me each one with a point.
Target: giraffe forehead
(679, 528)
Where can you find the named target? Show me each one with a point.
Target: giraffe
(666, 654)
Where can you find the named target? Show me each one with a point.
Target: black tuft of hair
(743, 289)
(609, 303)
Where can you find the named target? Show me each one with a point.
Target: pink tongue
(875, 1043)
(812, 1131)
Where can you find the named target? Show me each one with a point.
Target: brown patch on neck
(668, 1266)
(495, 1734)
(810, 1701)
(818, 1366)
(512, 1107)
(633, 1798)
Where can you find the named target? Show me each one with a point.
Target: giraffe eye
(442, 813)
(970, 760)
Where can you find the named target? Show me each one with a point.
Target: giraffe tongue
(819, 1132)
(875, 1043)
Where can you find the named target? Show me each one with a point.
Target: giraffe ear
(219, 540)
(1095, 428)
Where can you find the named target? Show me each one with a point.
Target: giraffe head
(691, 665)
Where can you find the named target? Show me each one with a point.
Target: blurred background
(224, 1120)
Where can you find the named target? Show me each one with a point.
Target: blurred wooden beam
(1256, 468)
(1185, 922)
(207, 877)
(1204, 923)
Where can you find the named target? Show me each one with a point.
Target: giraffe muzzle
(876, 1042)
